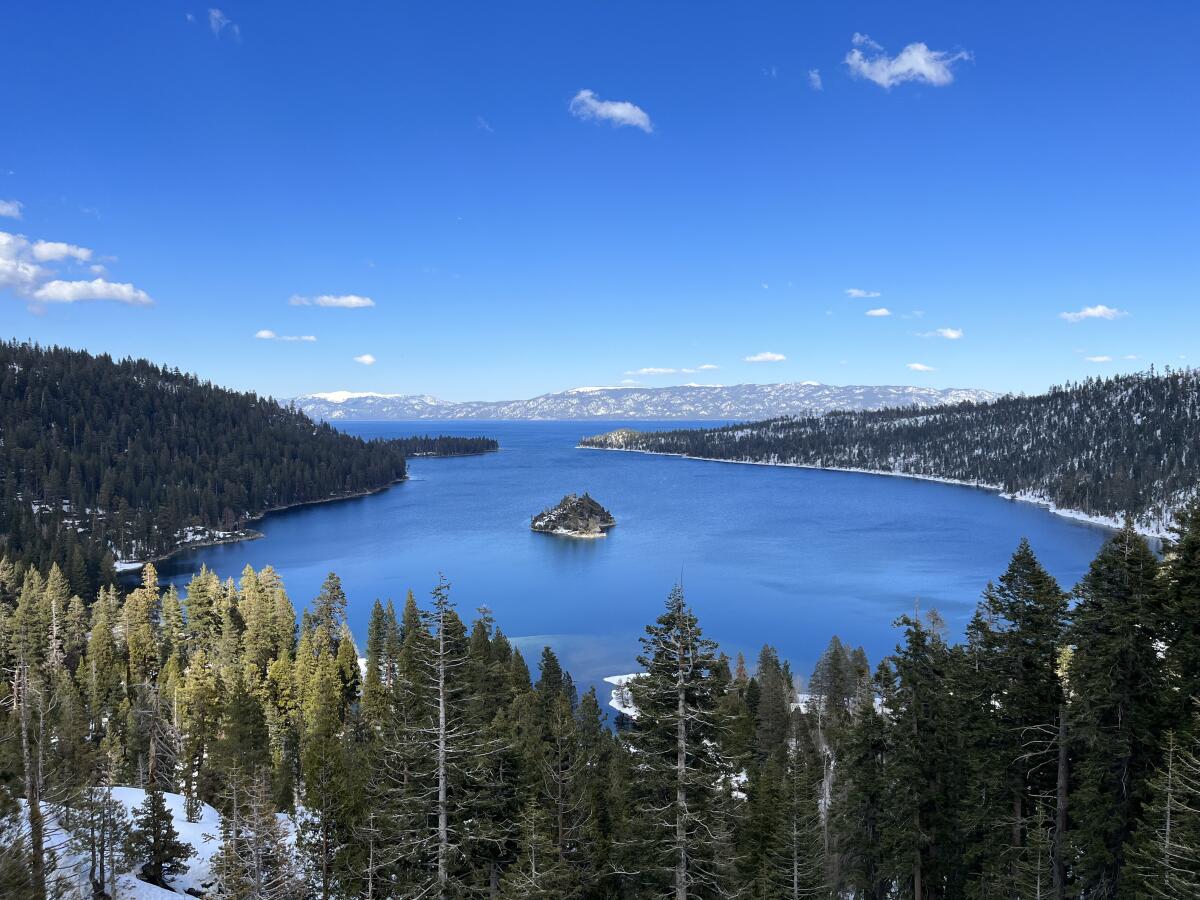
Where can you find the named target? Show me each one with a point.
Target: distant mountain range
(692, 402)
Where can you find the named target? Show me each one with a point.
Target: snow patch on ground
(622, 698)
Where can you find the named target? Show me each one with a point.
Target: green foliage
(1129, 444)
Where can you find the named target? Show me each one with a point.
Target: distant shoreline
(1109, 523)
(250, 534)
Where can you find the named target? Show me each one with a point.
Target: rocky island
(574, 516)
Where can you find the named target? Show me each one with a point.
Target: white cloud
(53, 251)
(707, 367)
(652, 370)
(879, 313)
(859, 293)
(863, 40)
(920, 367)
(916, 62)
(1130, 356)
(1098, 359)
(218, 22)
(814, 80)
(586, 105)
(21, 270)
(484, 125)
(10, 209)
(97, 289)
(17, 268)
(366, 359)
(333, 301)
(266, 334)
(1100, 311)
(950, 334)
(765, 356)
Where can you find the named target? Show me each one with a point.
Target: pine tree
(682, 781)
(863, 800)
(1182, 572)
(154, 841)
(924, 762)
(1117, 705)
(1013, 699)
(256, 861)
(1164, 856)
(540, 872)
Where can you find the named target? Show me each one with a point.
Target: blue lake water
(780, 555)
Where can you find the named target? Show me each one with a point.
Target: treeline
(1129, 444)
(445, 445)
(1053, 753)
(103, 460)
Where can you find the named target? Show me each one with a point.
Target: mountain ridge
(686, 402)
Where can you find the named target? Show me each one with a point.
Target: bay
(775, 555)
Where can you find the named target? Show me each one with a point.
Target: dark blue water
(779, 555)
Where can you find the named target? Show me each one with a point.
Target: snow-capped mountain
(685, 402)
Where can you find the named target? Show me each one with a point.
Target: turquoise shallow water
(779, 555)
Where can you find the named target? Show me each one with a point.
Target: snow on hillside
(204, 837)
(622, 698)
(684, 401)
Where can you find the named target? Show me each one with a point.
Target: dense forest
(105, 460)
(1052, 753)
(1107, 447)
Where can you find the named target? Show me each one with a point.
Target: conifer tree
(1164, 856)
(154, 842)
(1013, 698)
(682, 781)
(1117, 705)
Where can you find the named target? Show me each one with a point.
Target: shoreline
(1110, 523)
(126, 567)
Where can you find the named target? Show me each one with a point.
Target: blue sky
(527, 197)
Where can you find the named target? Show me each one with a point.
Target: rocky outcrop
(575, 515)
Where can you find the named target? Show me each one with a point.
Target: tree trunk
(443, 874)
(1060, 813)
(33, 787)
(681, 861)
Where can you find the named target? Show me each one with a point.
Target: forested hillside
(1105, 447)
(1052, 754)
(103, 460)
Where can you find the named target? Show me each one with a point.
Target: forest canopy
(104, 459)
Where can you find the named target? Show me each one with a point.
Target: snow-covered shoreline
(1111, 523)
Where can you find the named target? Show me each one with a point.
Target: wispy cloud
(1099, 311)
(218, 22)
(58, 291)
(1099, 359)
(365, 359)
(950, 334)
(916, 62)
(484, 125)
(586, 105)
(814, 80)
(920, 367)
(266, 334)
(878, 313)
(333, 301)
(670, 370)
(10, 209)
(765, 356)
(859, 293)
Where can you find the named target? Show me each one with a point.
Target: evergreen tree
(682, 781)
(1164, 858)
(1117, 709)
(154, 842)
